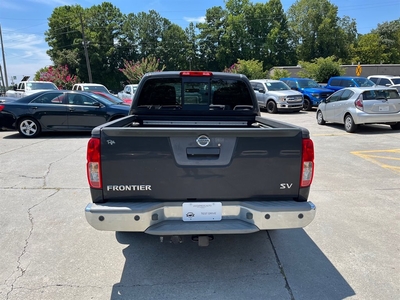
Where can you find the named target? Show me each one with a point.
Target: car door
(259, 95)
(330, 106)
(341, 104)
(50, 111)
(84, 112)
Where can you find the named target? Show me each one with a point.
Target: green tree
(315, 29)
(134, 71)
(369, 50)
(174, 40)
(253, 69)
(280, 73)
(389, 36)
(321, 69)
(210, 39)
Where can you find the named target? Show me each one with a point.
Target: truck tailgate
(196, 164)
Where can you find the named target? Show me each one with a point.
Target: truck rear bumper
(165, 218)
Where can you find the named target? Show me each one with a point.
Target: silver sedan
(355, 106)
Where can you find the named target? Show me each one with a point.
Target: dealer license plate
(202, 211)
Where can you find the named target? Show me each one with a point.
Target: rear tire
(320, 118)
(349, 124)
(29, 128)
(271, 107)
(395, 126)
(307, 105)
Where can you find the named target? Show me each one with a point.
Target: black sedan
(59, 111)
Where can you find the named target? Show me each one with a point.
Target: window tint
(49, 98)
(385, 81)
(346, 94)
(336, 96)
(335, 82)
(374, 79)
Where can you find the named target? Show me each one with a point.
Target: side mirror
(294, 88)
(15, 87)
(98, 104)
(262, 91)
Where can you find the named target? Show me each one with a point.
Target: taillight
(196, 73)
(307, 163)
(93, 163)
(1, 107)
(359, 103)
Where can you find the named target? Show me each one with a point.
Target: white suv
(385, 80)
(90, 87)
(275, 95)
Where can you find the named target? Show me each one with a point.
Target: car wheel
(320, 118)
(29, 128)
(395, 126)
(307, 104)
(271, 107)
(349, 125)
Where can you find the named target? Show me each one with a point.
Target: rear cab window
(195, 93)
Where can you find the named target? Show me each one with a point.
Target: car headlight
(282, 98)
(315, 95)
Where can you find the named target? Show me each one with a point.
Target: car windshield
(364, 82)
(40, 86)
(277, 86)
(97, 88)
(308, 83)
(110, 99)
(396, 80)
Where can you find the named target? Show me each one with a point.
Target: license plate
(201, 211)
(383, 108)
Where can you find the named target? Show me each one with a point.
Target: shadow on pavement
(231, 267)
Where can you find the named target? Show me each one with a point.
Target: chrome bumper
(165, 218)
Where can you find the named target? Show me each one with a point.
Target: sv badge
(285, 186)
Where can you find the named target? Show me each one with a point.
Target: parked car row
(59, 110)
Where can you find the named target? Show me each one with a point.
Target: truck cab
(313, 93)
(339, 82)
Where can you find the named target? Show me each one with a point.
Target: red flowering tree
(59, 75)
(134, 71)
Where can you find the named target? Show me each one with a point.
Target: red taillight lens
(1, 107)
(196, 73)
(307, 163)
(93, 163)
(359, 103)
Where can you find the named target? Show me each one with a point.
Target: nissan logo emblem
(203, 140)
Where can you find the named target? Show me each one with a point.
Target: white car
(128, 92)
(355, 106)
(90, 87)
(385, 80)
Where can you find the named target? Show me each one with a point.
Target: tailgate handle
(211, 152)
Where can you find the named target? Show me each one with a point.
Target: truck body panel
(207, 169)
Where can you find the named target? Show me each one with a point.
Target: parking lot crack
(19, 268)
(56, 161)
(280, 266)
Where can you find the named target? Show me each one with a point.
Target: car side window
(347, 83)
(49, 98)
(385, 81)
(291, 84)
(346, 95)
(336, 96)
(335, 82)
(374, 79)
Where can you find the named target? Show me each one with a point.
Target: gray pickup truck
(195, 158)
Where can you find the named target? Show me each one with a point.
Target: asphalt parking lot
(350, 251)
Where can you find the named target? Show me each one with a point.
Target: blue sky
(23, 22)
